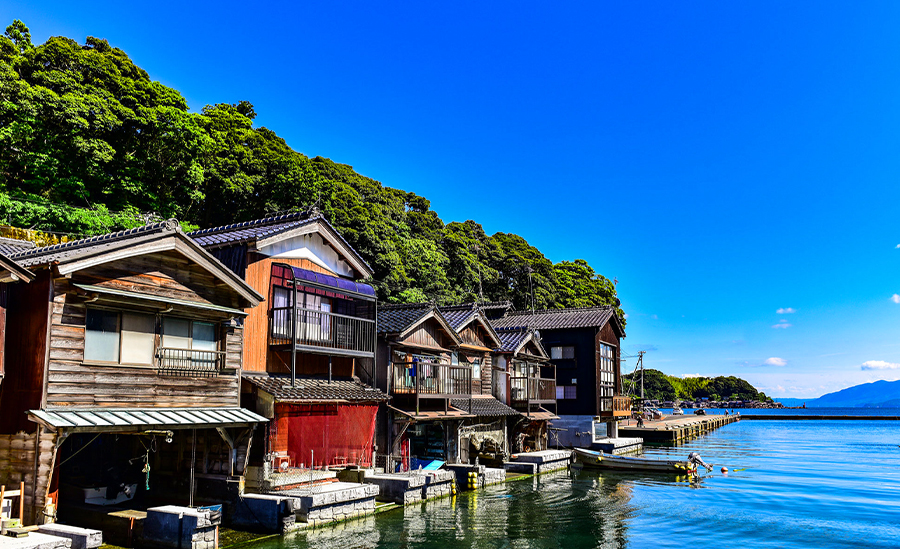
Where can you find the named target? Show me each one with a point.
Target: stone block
(82, 538)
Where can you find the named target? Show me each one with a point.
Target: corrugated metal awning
(143, 419)
(159, 299)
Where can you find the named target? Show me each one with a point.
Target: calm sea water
(792, 484)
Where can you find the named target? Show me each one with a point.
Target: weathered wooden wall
(29, 457)
(72, 382)
(26, 353)
(430, 335)
(256, 324)
(608, 335)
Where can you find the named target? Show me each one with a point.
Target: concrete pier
(675, 429)
(539, 462)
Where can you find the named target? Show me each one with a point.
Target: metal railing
(616, 406)
(431, 378)
(324, 329)
(532, 389)
(189, 362)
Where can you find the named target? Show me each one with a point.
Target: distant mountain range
(880, 394)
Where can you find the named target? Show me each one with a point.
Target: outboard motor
(695, 459)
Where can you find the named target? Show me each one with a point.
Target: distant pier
(675, 429)
(780, 417)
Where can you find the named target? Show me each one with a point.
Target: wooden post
(21, 502)
(2, 494)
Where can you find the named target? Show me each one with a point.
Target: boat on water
(676, 411)
(598, 460)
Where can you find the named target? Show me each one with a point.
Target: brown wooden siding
(3, 294)
(21, 456)
(309, 364)
(71, 382)
(256, 324)
(168, 275)
(26, 356)
(428, 334)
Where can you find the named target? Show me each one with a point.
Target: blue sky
(723, 160)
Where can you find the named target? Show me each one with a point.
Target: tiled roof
(458, 315)
(396, 318)
(307, 388)
(556, 319)
(10, 246)
(484, 406)
(249, 231)
(511, 338)
(75, 248)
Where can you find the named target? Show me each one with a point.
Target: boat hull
(598, 460)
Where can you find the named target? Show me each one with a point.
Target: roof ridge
(169, 225)
(566, 310)
(17, 242)
(311, 213)
(405, 306)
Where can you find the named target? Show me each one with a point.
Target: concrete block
(82, 538)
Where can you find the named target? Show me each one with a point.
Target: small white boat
(676, 411)
(599, 460)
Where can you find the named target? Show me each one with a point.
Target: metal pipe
(294, 337)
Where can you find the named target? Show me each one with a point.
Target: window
(562, 352)
(607, 373)
(566, 392)
(124, 338)
(179, 333)
(476, 368)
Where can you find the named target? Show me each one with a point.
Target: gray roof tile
(556, 319)
(484, 406)
(314, 388)
(75, 248)
(10, 246)
(396, 318)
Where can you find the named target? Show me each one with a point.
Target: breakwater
(675, 429)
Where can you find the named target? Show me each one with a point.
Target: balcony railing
(431, 379)
(323, 330)
(615, 406)
(189, 362)
(532, 389)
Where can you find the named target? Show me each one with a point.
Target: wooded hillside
(90, 144)
(659, 386)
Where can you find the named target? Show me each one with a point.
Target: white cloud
(782, 324)
(654, 317)
(775, 361)
(879, 365)
(688, 376)
(785, 311)
(897, 247)
(626, 316)
(895, 298)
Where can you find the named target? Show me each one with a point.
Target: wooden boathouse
(123, 381)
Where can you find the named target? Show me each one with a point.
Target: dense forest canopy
(90, 144)
(659, 386)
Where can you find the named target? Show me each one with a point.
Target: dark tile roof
(309, 388)
(10, 246)
(484, 406)
(75, 248)
(458, 315)
(556, 319)
(396, 318)
(249, 231)
(511, 338)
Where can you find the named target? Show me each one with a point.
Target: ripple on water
(799, 484)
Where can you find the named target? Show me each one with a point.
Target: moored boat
(599, 460)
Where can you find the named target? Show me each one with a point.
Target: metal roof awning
(333, 283)
(159, 299)
(452, 413)
(541, 415)
(94, 420)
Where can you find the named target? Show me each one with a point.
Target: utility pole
(641, 363)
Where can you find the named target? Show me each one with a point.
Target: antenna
(531, 288)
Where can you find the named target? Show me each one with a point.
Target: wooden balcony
(615, 406)
(322, 332)
(532, 390)
(431, 380)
